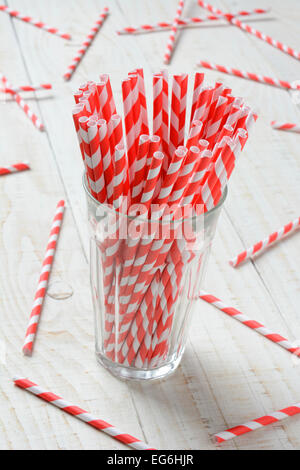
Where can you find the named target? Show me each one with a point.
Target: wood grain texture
(228, 374)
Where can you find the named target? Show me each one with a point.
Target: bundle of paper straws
(166, 169)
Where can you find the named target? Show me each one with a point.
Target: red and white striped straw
(286, 126)
(18, 89)
(86, 44)
(7, 170)
(194, 134)
(184, 22)
(266, 242)
(258, 423)
(43, 280)
(106, 98)
(81, 414)
(245, 27)
(94, 166)
(174, 31)
(34, 119)
(34, 22)
(248, 75)
(253, 324)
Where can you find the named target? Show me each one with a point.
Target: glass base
(132, 373)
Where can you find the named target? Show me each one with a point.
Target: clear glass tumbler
(145, 279)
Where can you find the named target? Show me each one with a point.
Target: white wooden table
(229, 374)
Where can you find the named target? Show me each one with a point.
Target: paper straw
(286, 126)
(264, 37)
(234, 114)
(33, 22)
(86, 44)
(139, 325)
(148, 252)
(194, 134)
(213, 125)
(198, 80)
(177, 260)
(245, 27)
(165, 118)
(143, 102)
(42, 86)
(248, 75)
(106, 98)
(93, 164)
(178, 111)
(203, 159)
(136, 108)
(227, 131)
(154, 146)
(81, 414)
(211, 185)
(129, 125)
(266, 242)
(117, 130)
(185, 175)
(43, 281)
(253, 324)
(151, 180)
(97, 159)
(34, 119)
(171, 177)
(210, 110)
(6, 170)
(173, 36)
(183, 22)
(258, 423)
(158, 105)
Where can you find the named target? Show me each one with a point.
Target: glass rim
(113, 211)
